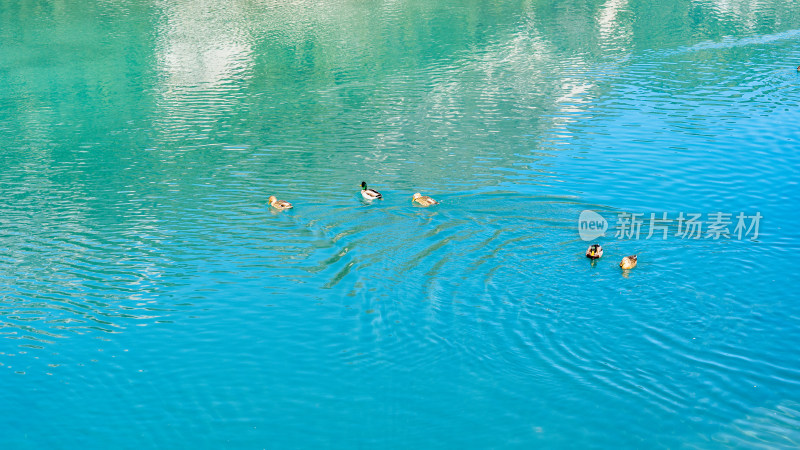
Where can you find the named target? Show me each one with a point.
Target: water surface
(148, 297)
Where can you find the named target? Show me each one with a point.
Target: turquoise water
(149, 298)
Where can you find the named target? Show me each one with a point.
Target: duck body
(278, 204)
(423, 200)
(369, 194)
(595, 251)
(628, 262)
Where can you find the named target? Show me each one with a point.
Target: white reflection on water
(614, 32)
(204, 53)
(202, 44)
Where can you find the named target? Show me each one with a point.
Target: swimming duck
(369, 194)
(423, 200)
(595, 251)
(628, 262)
(278, 204)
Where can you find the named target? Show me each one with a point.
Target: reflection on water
(138, 256)
(775, 427)
(204, 54)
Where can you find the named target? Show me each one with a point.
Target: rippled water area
(150, 297)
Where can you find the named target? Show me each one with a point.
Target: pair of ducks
(595, 251)
(368, 194)
(372, 194)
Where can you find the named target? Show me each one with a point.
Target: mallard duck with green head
(369, 194)
(595, 251)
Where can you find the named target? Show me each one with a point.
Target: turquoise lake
(150, 298)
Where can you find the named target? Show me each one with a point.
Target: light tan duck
(628, 262)
(423, 200)
(278, 204)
